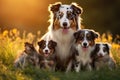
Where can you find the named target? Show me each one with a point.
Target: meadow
(12, 41)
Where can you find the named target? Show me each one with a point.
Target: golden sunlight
(22, 12)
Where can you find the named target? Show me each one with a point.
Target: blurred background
(33, 15)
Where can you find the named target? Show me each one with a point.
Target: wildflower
(5, 33)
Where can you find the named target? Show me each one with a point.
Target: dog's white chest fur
(64, 41)
(84, 56)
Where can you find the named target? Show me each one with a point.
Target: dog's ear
(53, 43)
(40, 43)
(108, 45)
(28, 45)
(95, 34)
(55, 7)
(76, 9)
(76, 34)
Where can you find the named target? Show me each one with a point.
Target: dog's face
(29, 48)
(85, 38)
(102, 49)
(65, 16)
(47, 48)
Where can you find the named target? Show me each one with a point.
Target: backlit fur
(64, 21)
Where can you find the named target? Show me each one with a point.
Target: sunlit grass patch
(11, 42)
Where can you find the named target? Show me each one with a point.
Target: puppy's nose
(46, 51)
(85, 44)
(65, 24)
(100, 55)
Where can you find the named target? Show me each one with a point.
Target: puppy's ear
(53, 43)
(76, 34)
(76, 9)
(28, 45)
(40, 43)
(95, 34)
(55, 7)
(108, 45)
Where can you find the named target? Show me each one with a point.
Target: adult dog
(64, 21)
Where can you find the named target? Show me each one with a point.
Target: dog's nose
(65, 24)
(100, 55)
(46, 51)
(85, 44)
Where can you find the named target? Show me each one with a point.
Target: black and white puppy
(29, 55)
(47, 52)
(102, 56)
(85, 44)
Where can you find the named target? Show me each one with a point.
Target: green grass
(11, 43)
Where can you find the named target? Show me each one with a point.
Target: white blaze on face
(46, 47)
(101, 50)
(85, 39)
(64, 19)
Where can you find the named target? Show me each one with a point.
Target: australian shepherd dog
(102, 56)
(47, 54)
(84, 44)
(64, 21)
(28, 56)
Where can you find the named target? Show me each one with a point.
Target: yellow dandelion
(14, 31)
(5, 33)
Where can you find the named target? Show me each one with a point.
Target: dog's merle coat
(65, 20)
(28, 56)
(84, 44)
(102, 56)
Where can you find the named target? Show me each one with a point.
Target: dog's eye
(43, 46)
(97, 49)
(49, 46)
(81, 38)
(89, 38)
(60, 14)
(70, 15)
(104, 49)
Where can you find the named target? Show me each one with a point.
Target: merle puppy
(102, 57)
(29, 55)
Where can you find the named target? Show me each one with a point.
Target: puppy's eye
(81, 38)
(97, 49)
(43, 46)
(104, 49)
(89, 38)
(49, 46)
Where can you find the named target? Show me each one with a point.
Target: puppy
(85, 44)
(102, 56)
(46, 50)
(29, 55)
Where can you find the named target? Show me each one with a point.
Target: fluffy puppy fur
(64, 21)
(29, 55)
(102, 56)
(47, 52)
(85, 44)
